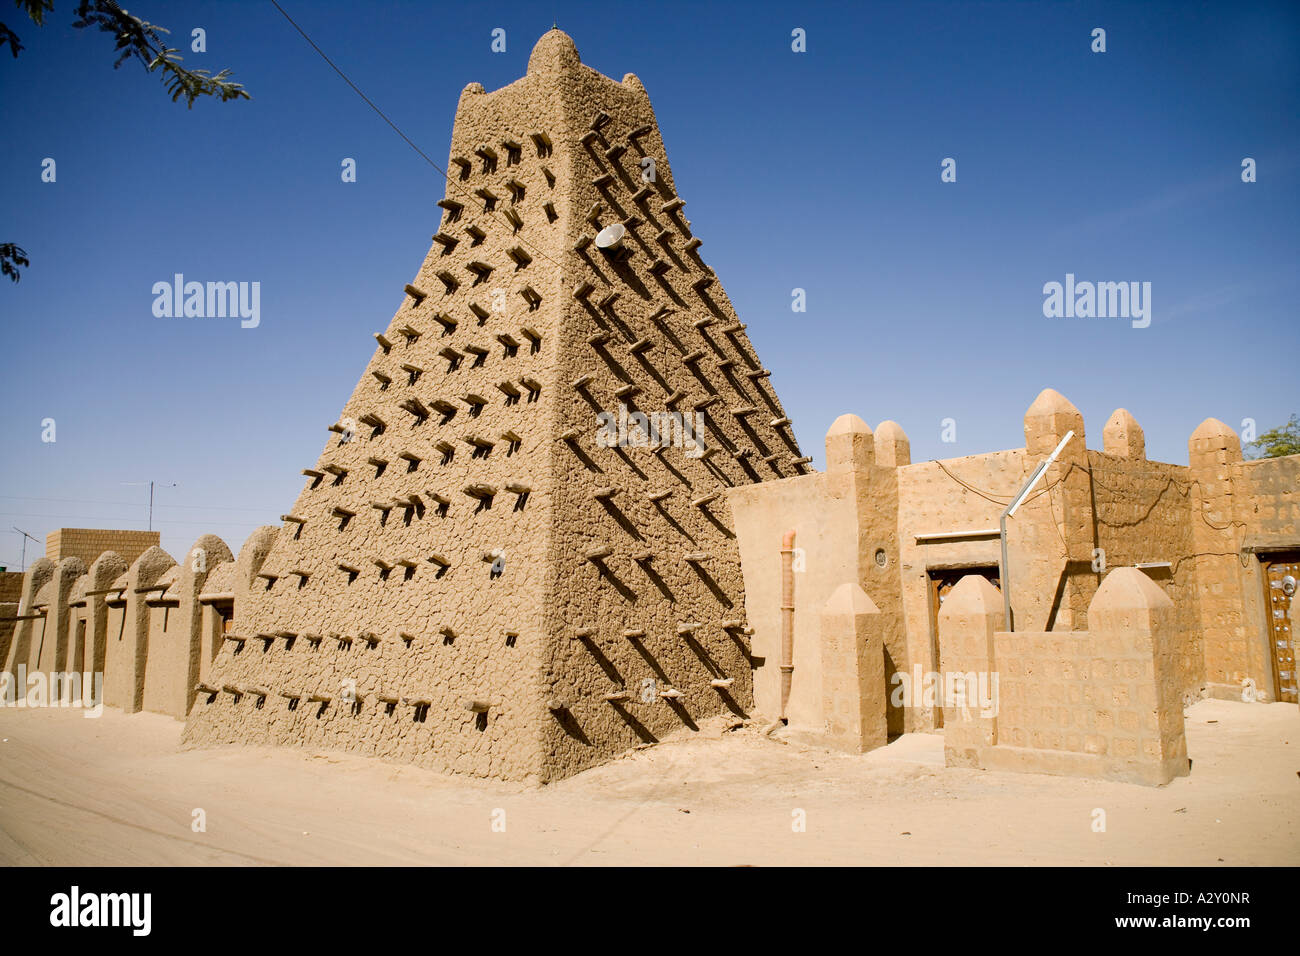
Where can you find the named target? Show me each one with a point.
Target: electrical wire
(384, 116)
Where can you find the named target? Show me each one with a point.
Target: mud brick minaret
(471, 579)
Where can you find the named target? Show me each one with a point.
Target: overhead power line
(384, 116)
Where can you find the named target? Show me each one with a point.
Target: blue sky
(816, 170)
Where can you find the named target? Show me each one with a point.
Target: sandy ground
(117, 790)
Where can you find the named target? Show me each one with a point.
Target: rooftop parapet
(1213, 443)
(893, 449)
(1123, 436)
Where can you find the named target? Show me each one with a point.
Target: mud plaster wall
(11, 590)
(20, 646)
(1116, 506)
(841, 519)
(175, 618)
(1142, 515)
(1241, 511)
(506, 640)
(126, 643)
(1106, 702)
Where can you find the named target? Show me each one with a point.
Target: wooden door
(1281, 578)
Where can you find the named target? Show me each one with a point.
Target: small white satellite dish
(610, 239)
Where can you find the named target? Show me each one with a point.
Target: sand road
(118, 790)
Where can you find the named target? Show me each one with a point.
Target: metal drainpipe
(787, 618)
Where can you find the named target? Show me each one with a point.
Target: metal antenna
(23, 560)
(151, 485)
